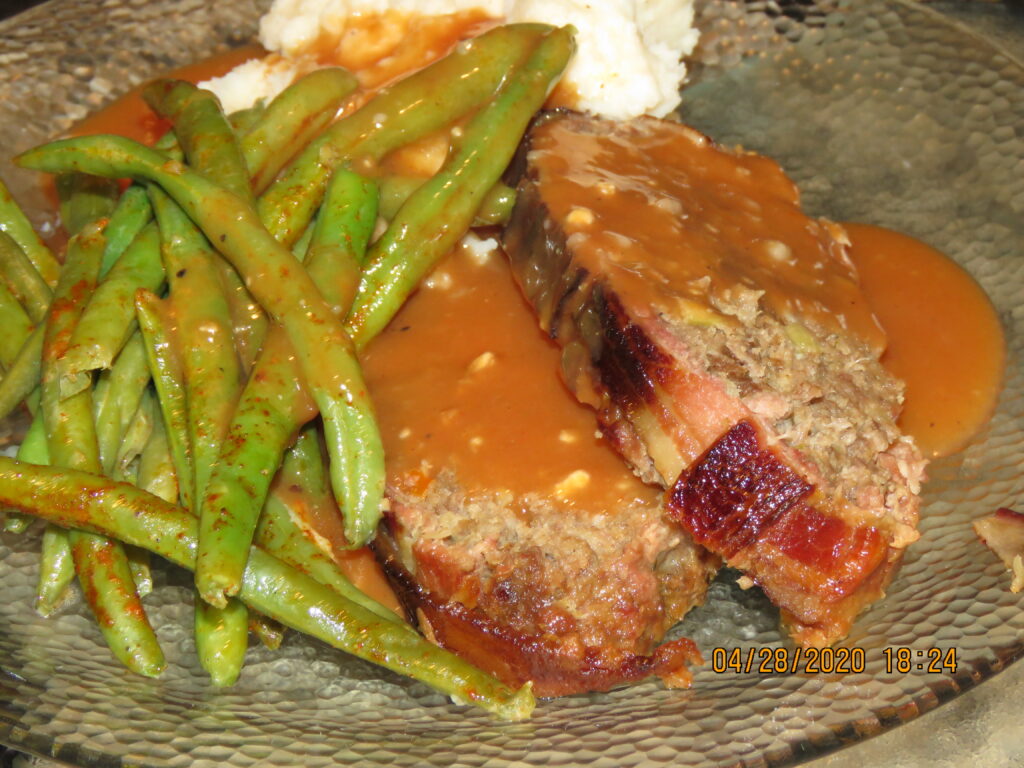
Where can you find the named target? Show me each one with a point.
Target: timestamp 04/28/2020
(830, 661)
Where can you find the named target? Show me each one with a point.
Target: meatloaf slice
(518, 537)
(723, 340)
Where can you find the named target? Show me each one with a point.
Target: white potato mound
(627, 63)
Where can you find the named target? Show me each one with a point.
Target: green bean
(271, 587)
(270, 632)
(274, 403)
(221, 639)
(155, 475)
(395, 190)
(248, 320)
(292, 120)
(278, 282)
(244, 120)
(203, 132)
(56, 570)
(85, 199)
(156, 467)
(220, 632)
(116, 399)
(23, 279)
(142, 576)
(33, 450)
(341, 234)
(410, 109)
(16, 327)
(168, 380)
(101, 564)
(281, 537)
(440, 211)
(212, 149)
(136, 436)
(133, 212)
(14, 222)
(109, 320)
(301, 246)
(22, 376)
(414, 107)
(210, 365)
(495, 208)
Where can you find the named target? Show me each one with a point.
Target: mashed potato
(627, 63)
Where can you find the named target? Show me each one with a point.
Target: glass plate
(884, 113)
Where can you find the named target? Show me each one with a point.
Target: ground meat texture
(572, 602)
(721, 337)
(516, 534)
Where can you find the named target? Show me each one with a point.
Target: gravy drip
(679, 220)
(463, 379)
(383, 47)
(130, 117)
(945, 339)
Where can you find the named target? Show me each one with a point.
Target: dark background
(11, 7)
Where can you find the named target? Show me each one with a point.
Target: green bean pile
(202, 337)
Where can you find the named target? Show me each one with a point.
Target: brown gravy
(463, 379)
(681, 220)
(129, 116)
(382, 47)
(945, 340)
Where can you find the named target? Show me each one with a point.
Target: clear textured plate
(884, 113)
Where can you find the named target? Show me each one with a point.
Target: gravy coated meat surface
(516, 534)
(692, 298)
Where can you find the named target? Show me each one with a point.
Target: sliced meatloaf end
(722, 338)
(516, 535)
(573, 602)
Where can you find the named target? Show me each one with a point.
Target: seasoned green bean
(109, 320)
(244, 120)
(280, 536)
(271, 587)
(22, 376)
(275, 404)
(16, 327)
(410, 109)
(23, 279)
(440, 211)
(156, 467)
(33, 450)
(221, 639)
(168, 380)
(56, 570)
(278, 282)
(14, 222)
(136, 436)
(270, 632)
(117, 397)
(85, 199)
(292, 120)
(210, 366)
(203, 132)
(100, 563)
(142, 576)
(494, 209)
(132, 213)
